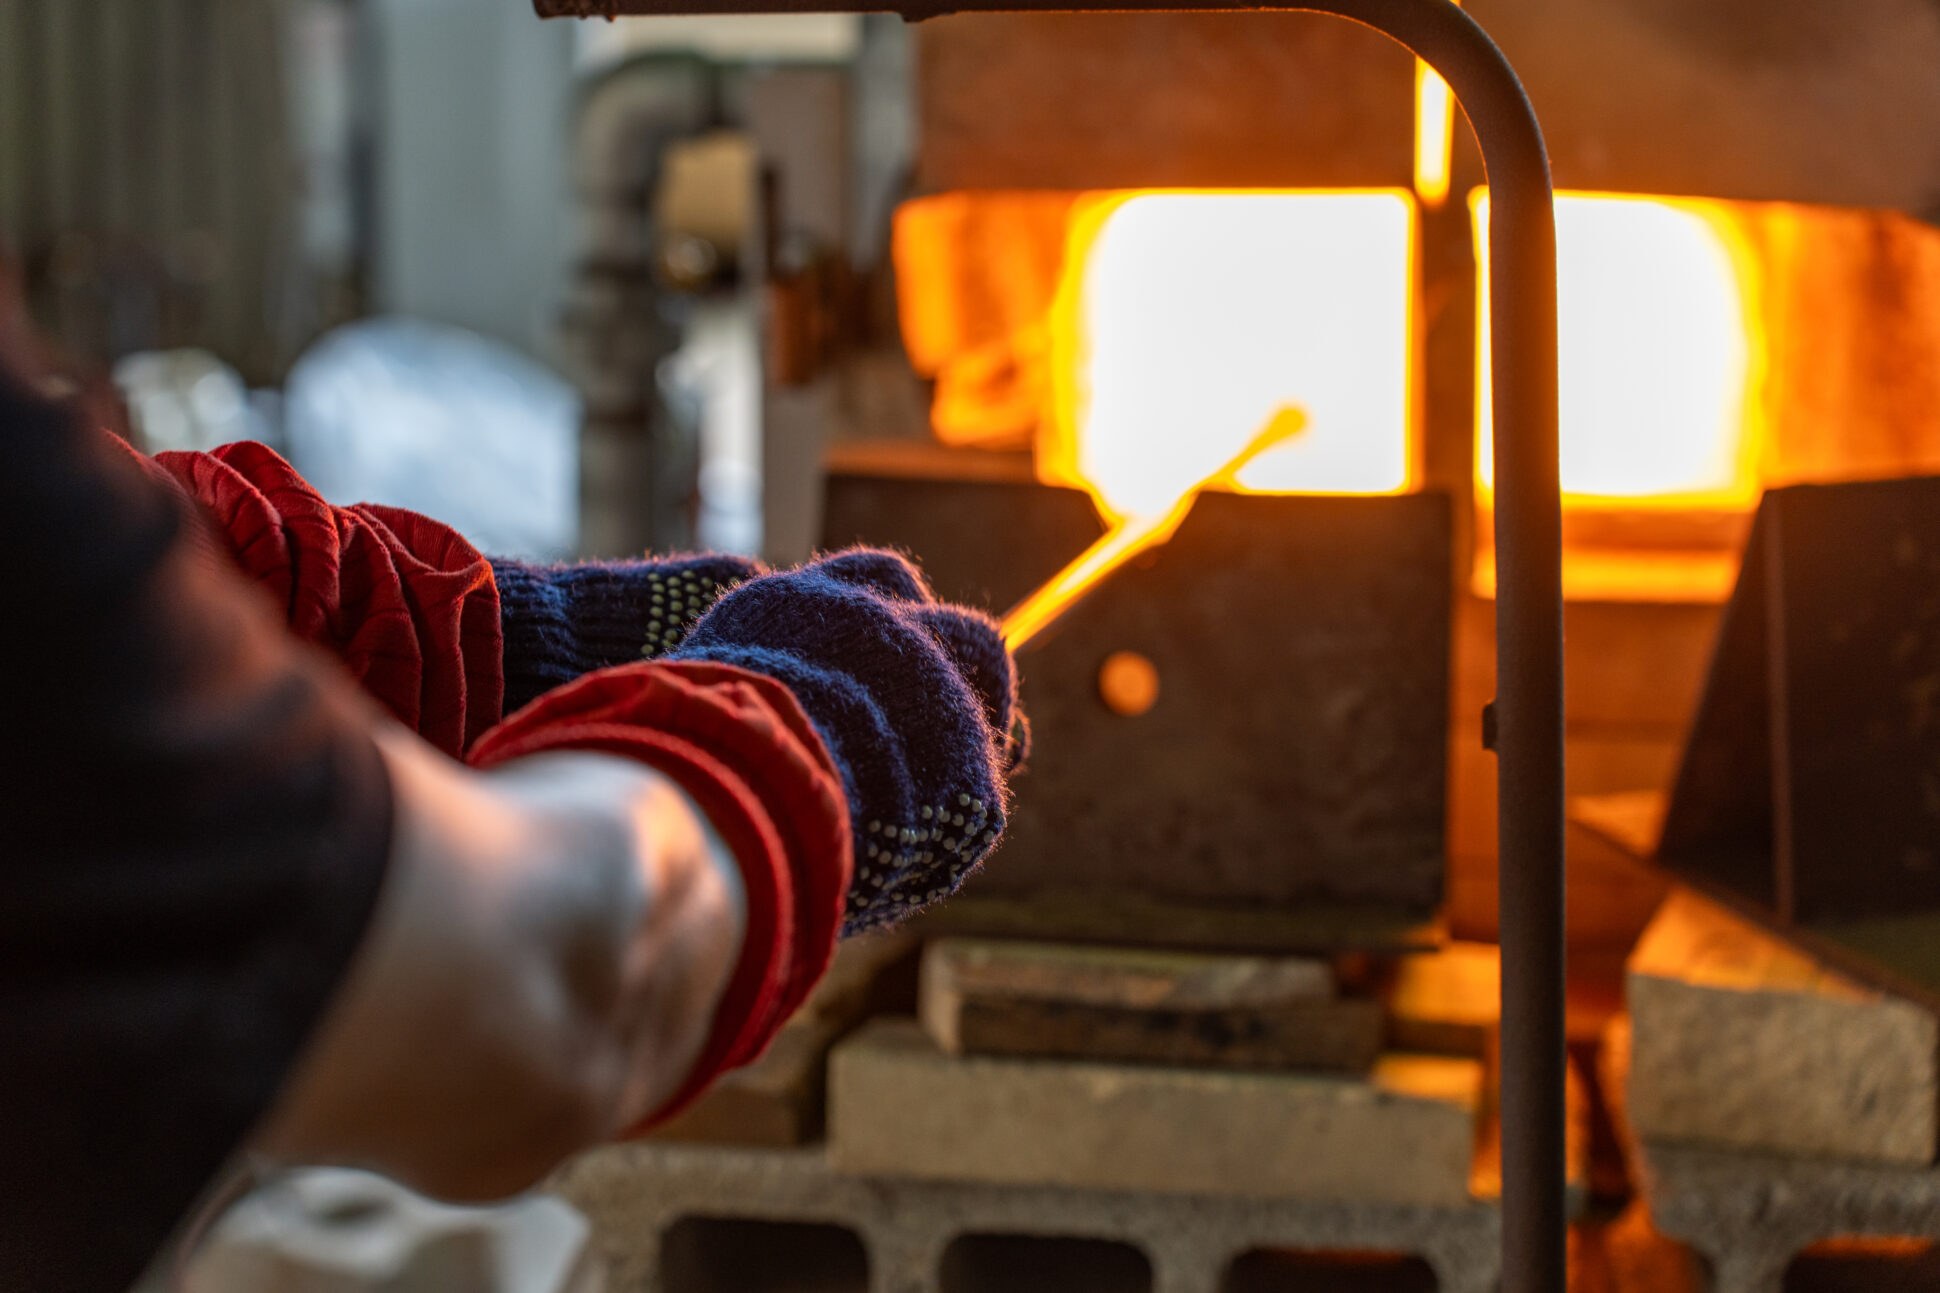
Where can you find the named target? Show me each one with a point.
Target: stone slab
(1315, 928)
(1405, 1136)
(1716, 1220)
(1128, 978)
(1741, 1040)
(983, 997)
(634, 1193)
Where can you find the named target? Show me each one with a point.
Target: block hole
(1031, 1264)
(1280, 1270)
(721, 1255)
(1865, 1265)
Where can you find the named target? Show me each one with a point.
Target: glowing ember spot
(1187, 322)
(1660, 356)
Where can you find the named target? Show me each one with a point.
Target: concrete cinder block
(900, 1107)
(634, 1193)
(1751, 1213)
(984, 997)
(1739, 1039)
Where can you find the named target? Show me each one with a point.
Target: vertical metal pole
(1529, 740)
(1527, 717)
(1528, 714)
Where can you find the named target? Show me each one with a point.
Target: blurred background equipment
(667, 214)
(181, 173)
(189, 399)
(444, 422)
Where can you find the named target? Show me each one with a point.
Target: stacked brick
(1197, 1114)
(1772, 1104)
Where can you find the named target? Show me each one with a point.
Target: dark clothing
(193, 830)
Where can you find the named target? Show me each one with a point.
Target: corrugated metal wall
(147, 181)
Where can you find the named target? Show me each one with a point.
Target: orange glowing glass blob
(1661, 355)
(1186, 323)
(1253, 341)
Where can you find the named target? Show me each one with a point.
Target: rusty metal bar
(1525, 724)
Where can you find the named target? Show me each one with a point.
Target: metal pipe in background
(1525, 724)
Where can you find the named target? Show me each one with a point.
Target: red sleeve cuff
(740, 745)
(404, 601)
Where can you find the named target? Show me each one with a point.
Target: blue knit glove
(915, 699)
(563, 621)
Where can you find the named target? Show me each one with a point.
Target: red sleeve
(413, 611)
(740, 745)
(405, 602)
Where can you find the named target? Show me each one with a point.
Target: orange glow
(1661, 355)
(1661, 367)
(1186, 323)
(976, 273)
(1434, 135)
(1188, 335)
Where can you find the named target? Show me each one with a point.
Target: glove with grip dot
(916, 700)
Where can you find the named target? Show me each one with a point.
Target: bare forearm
(547, 958)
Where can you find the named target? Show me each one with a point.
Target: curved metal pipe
(1525, 724)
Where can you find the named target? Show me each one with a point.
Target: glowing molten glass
(1251, 341)
(1186, 323)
